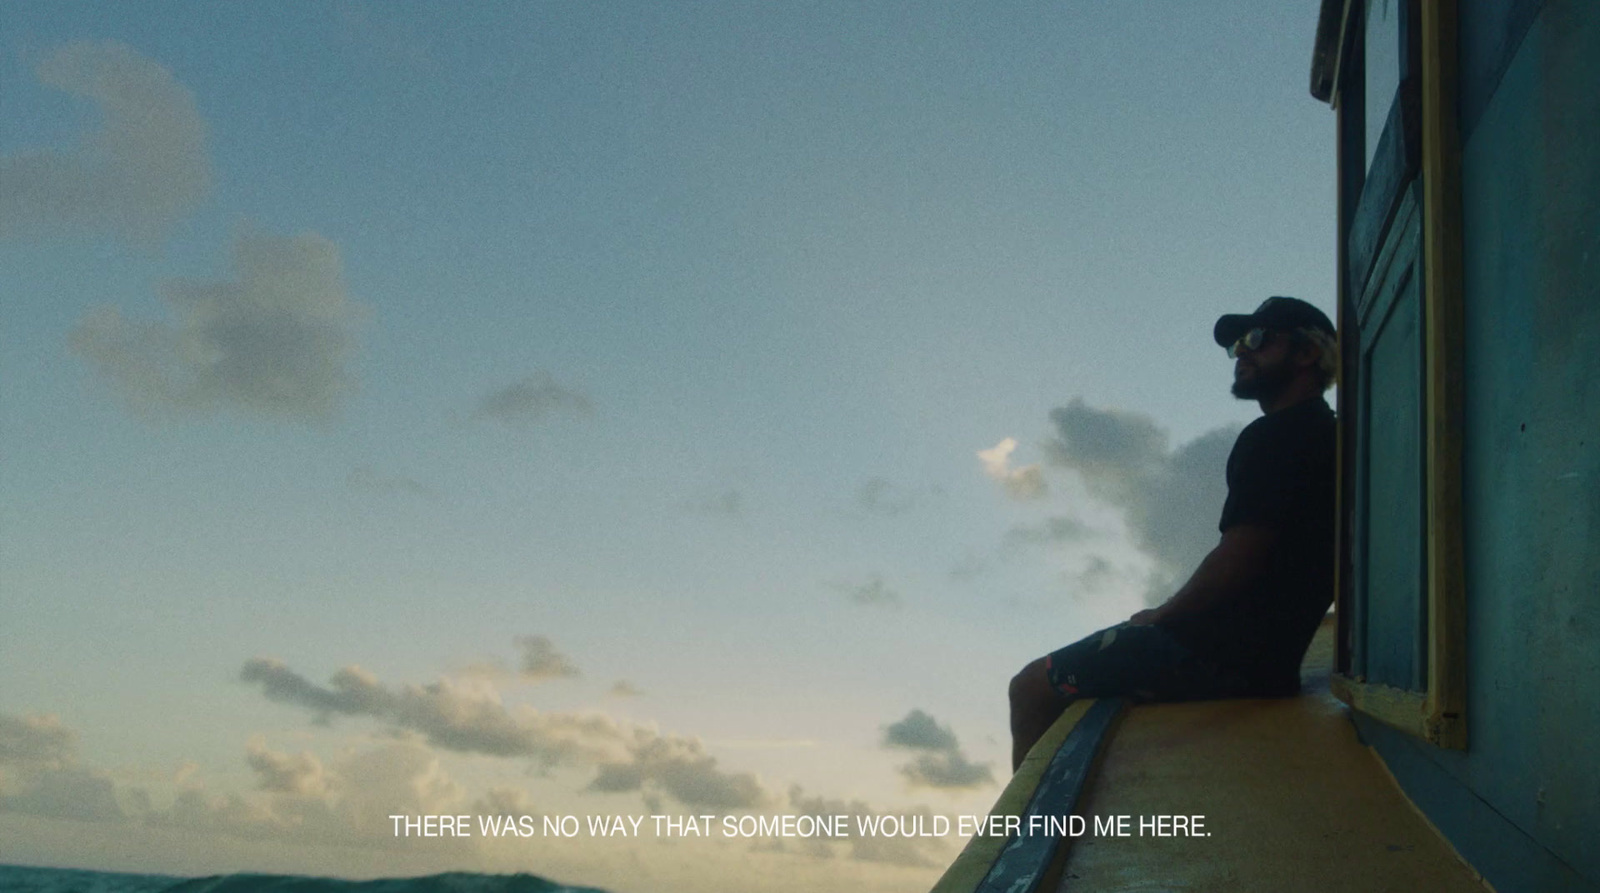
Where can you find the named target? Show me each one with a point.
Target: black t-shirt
(1280, 476)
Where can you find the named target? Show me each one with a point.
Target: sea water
(20, 879)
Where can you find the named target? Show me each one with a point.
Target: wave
(21, 879)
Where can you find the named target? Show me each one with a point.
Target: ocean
(21, 879)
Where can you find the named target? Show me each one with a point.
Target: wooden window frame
(1437, 715)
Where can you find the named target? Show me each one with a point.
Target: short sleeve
(1265, 480)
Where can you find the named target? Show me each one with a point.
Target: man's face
(1265, 371)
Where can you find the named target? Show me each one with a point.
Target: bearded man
(1241, 624)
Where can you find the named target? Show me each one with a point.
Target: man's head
(1285, 345)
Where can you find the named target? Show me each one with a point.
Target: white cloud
(299, 797)
(504, 801)
(916, 852)
(919, 731)
(947, 771)
(1170, 498)
(275, 342)
(136, 176)
(37, 741)
(1022, 483)
(541, 660)
(939, 762)
(1049, 532)
(67, 793)
(281, 773)
(395, 779)
(306, 802)
(680, 768)
(447, 715)
(40, 775)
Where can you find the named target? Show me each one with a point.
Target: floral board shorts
(1143, 663)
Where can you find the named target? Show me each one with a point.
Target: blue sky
(655, 341)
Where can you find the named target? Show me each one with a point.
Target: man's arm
(1226, 572)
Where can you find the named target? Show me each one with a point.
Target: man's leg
(1124, 660)
(1035, 705)
(1140, 662)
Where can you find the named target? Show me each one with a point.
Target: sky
(611, 408)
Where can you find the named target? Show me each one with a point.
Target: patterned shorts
(1140, 662)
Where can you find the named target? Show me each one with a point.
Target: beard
(1267, 382)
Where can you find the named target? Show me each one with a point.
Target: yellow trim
(1405, 710)
(1439, 715)
(1291, 797)
(1441, 222)
(980, 853)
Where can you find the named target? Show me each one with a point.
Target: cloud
(280, 773)
(456, 719)
(144, 168)
(874, 593)
(541, 660)
(364, 478)
(37, 741)
(503, 801)
(195, 810)
(1051, 531)
(304, 801)
(447, 715)
(947, 771)
(1096, 576)
(400, 779)
(275, 342)
(939, 762)
(39, 774)
(680, 768)
(1022, 483)
(916, 852)
(624, 689)
(1170, 499)
(919, 731)
(297, 798)
(68, 793)
(530, 400)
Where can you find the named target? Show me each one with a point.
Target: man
(1241, 624)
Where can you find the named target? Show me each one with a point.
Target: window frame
(1429, 34)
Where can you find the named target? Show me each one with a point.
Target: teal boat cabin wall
(1521, 801)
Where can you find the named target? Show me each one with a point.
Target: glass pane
(1382, 66)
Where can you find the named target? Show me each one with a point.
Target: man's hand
(1226, 573)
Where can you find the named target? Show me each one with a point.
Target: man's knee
(1030, 688)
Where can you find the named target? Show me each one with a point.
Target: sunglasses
(1251, 340)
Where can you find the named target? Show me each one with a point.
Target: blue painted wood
(1491, 33)
(1390, 631)
(1500, 851)
(1394, 167)
(1523, 801)
(1023, 863)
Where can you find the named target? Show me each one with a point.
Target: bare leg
(1035, 705)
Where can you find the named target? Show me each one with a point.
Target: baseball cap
(1274, 313)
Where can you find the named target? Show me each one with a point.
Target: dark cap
(1286, 314)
